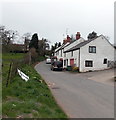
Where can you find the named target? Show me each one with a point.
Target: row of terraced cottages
(88, 55)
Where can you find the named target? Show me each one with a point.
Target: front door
(71, 62)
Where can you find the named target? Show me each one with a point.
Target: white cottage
(90, 55)
(59, 52)
(67, 44)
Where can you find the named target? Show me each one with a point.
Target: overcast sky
(51, 18)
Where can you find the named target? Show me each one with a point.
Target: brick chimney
(78, 35)
(64, 41)
(68, 39)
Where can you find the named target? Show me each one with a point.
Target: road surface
(79, 96)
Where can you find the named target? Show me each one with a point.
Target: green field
(30, 99)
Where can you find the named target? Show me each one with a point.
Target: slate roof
(64, 45)
(59, 48)
(80, 45)
(69, 43)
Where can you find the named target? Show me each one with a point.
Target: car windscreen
(58, 63)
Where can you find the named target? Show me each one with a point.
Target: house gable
(104, 52)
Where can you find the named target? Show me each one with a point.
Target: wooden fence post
(29, 57)
(9, 73)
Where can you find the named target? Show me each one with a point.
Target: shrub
(75, 68)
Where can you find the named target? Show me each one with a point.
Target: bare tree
(27, 38)
(43, 46)
(27, 35)
(3, 36)
(7, 36)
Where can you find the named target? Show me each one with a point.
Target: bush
(74, 68)
(31, 57)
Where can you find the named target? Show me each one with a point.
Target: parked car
(48, 61)
(57, 65)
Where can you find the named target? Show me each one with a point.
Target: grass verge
(31, 99)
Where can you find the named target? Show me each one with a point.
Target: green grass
(31, 99)
(0, 99)
(12, 56)
(6, 60)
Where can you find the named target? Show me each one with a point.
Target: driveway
(103, 76)
(80, 95)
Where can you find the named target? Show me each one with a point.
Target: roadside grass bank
(0, 86)
(0, 99)
(31, 99)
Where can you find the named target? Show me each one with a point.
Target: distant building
(18, 48)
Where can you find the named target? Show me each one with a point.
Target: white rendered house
(90, 55)
(67, 44)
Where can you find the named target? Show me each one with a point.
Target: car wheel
(52, 69)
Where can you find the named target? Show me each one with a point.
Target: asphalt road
(78, 96)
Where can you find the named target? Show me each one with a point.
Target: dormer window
(92, 49)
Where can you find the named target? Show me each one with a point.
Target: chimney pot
(68, 38)
(78, 35)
